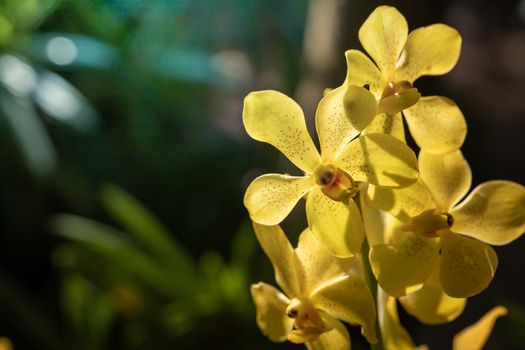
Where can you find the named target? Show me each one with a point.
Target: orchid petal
(336, 225)
(467, 265)
(271, 316)
(436, 124)
(270, 198)
(493, 213)
(272, 117)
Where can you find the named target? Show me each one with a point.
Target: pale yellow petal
(467, 265)
(333, 125)
(494, 212)
(432, 50)
(383, 35)
(288, 272)
(436, 124)
(390, 124)
(270, 305)
(430, 305)
(335, 339)
(362, 71)
(379, 159)
(348, 299)
(447, 176)
(272, 117)
(373, 219)
(270, 198)
(403, 203)
(403, 266)
(475, 336)
(317, 262)
(395, 336)
(336, 225)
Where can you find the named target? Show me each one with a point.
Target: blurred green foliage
(125, 91)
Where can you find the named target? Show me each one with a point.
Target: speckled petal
(467, 265)
(272, 117)
(403, 203)
(286, 265)
(430, 305)
(337, 226)
(362, 71)
(270, 198)
(447, 176)
(383, 35)
(335, 339)
(493, 213)
(379, 159)
(475, 336)
(432, 50)
(333, 125)
(390, 124)
(348, 299)
(404, 265)
(317, 262)
(270, 305)
(436, 124)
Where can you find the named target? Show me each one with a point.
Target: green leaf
(113, 244)
(149, 232)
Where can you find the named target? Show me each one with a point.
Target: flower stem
(370, 280)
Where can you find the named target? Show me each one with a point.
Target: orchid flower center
(429, 223)
(397, 96)
(304, 313)
(335, 183)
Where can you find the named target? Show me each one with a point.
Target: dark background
(108, 104)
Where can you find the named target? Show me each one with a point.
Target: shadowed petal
(288, 272)
(395, 336)
(430, 305)
(404, 265)
(336, 225)
(317, 262)
(390, 124)
(403, 203)
(348, 299)
(447, 176)
(467, 265)
(379, 159)
(362, 71)
(337, 338)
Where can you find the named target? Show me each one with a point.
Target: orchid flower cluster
(384, 226)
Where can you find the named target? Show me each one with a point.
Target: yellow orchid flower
(443, 247)
(331, 177)
(436, 123)
(319, 290)
(396, 337)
